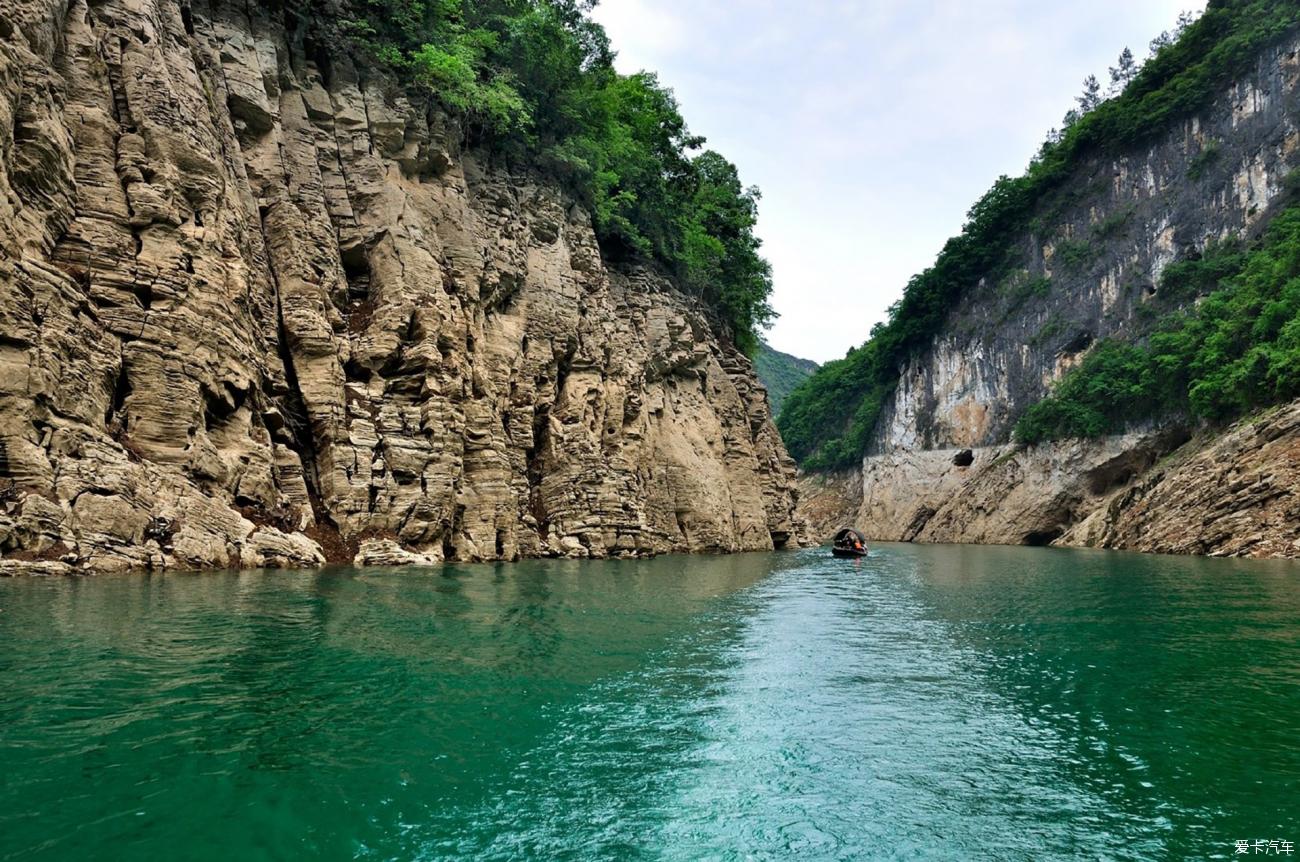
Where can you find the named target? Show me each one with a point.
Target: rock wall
(1091, 266)
(1234, 493)
(1090, 269)
(259, 308)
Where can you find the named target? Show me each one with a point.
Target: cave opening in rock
(356, 267)
(144, 294)
(1079, 342)
(218, 410)
(1042, 538)
(317, 52)
(121, 391)
(354, 371)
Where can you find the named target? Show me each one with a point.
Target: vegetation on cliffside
(828, 421)
(780, 373)
(1235, 350)
(534, 80)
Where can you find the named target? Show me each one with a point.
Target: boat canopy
(846, 536)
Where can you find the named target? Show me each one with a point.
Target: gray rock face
(254, 312)
(1090, 269)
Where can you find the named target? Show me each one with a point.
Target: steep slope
(261, 309)
(780, 373)
(1089, 267)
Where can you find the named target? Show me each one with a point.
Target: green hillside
(780, 373)
(829, 419)
(1235, 349)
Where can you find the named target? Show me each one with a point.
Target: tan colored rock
(10, 568)
(386, 552)
(829, 501)
(998, 494)
(253, 302)
(1235, 493)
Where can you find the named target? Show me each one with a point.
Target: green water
(929, 702)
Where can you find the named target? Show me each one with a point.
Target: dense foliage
(1235, 350)
(534, 80)
(827, 422)
(780, 373)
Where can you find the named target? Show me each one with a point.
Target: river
(927, 702)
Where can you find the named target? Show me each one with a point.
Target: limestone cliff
(259, 307)
(941, 466)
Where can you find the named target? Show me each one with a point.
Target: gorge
(403, 371)
(284, 284)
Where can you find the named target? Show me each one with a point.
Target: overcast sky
(871, 126)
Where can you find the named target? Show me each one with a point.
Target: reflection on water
(940, 702)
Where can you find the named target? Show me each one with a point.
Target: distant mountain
(780, 373)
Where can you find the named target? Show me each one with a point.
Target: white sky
(871, 126)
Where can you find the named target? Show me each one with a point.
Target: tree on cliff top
(1122, 73)
(534, 81)
(1091, 96)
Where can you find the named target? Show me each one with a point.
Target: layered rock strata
(1234, 493)
(259, 308)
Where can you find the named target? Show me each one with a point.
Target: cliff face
(941, 466)
(258, 308)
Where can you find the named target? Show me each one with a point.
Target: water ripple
(942, 703)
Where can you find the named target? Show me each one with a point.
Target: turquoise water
(929, 702)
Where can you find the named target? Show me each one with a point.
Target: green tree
(1236, 350)
(534, 83)
(1123, 72)
(1090, 98)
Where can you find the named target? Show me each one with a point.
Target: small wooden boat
(848, 542)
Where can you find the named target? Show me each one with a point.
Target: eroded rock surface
(1236, 493)
(256, 311)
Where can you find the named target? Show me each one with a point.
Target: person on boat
(849, 543)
